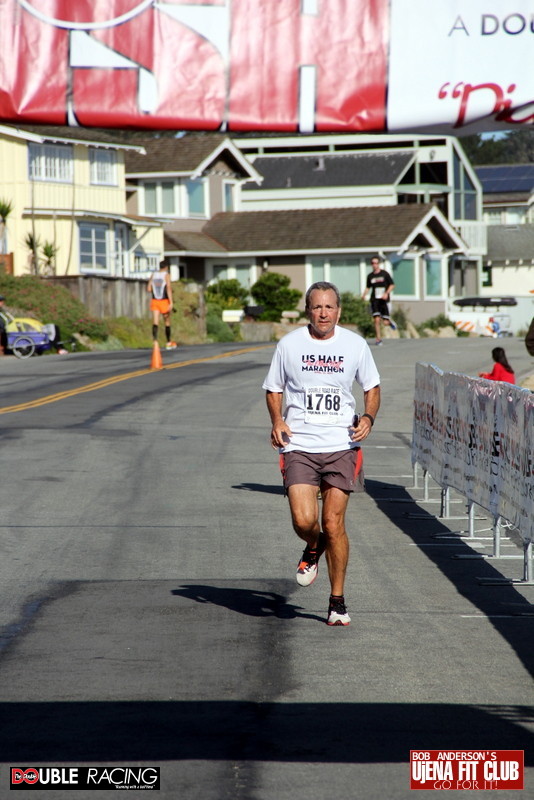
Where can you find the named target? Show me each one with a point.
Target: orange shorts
(163, 306)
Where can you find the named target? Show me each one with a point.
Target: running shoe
(171, 346)
(337, 612)
(378, 341)
(309, 563)
(392, 325)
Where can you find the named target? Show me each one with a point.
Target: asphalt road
(149, 613)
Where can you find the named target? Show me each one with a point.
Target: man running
(318, 434)
(380, 282)
(160, 288)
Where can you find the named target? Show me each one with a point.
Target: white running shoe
(309, 563)
(337, 612)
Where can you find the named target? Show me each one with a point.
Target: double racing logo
(85, 778)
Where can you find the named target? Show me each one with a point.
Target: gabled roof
(72, 135)
(166, 154)
(188, 155)
(510, 243)
(351, 169)
(393, 228)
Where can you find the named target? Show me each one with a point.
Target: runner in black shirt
(381, 285)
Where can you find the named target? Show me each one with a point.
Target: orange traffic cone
(156, 362)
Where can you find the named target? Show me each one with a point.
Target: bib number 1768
(323, 406)
(323, 402)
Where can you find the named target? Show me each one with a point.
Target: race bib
(323, 405)
(379, 292)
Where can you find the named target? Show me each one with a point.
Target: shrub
(216, 329)
(435, 323)
(400, 318)
(355, 311)
(273, 293)
(227, 294)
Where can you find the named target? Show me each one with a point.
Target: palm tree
(6, 207)
(33, 244)
(49, 251)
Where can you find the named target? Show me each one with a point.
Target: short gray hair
(322, 286)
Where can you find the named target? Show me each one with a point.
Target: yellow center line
(91, 387)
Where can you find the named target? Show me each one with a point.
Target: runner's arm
(280, 432)
(169, 288)
(371, 400)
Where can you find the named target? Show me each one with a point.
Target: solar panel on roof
(507, 178)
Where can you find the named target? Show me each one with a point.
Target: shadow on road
(260, 487)
(502, 604)
(346, 733)
(244, 601)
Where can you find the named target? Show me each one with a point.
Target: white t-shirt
(316, 377)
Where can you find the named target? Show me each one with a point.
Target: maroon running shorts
(343, 469)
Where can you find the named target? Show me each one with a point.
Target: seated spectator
(502, 371)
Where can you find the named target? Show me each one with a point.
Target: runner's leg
(337, 542)
(304, 508)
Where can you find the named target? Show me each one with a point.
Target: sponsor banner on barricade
(477, 437)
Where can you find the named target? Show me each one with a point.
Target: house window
(47, 162)
(493, 217)
(487, 276)
(317, 270)
(220, 272)
(345, 274)
(403, 274)
(433, 277)
(465, 194)
(228, 197)
(103, 166)
(342, 272)
(514, 216)
(195, 198)
(242, 274)
(159, 198)
(93, 246)
(146, 262)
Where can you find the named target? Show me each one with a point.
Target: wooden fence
(108, 297)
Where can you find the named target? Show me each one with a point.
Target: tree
(518, 147)
(273, 293)
(484, 151)
(6, 207)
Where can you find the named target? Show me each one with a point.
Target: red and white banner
(477, 437)
(281, 65)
